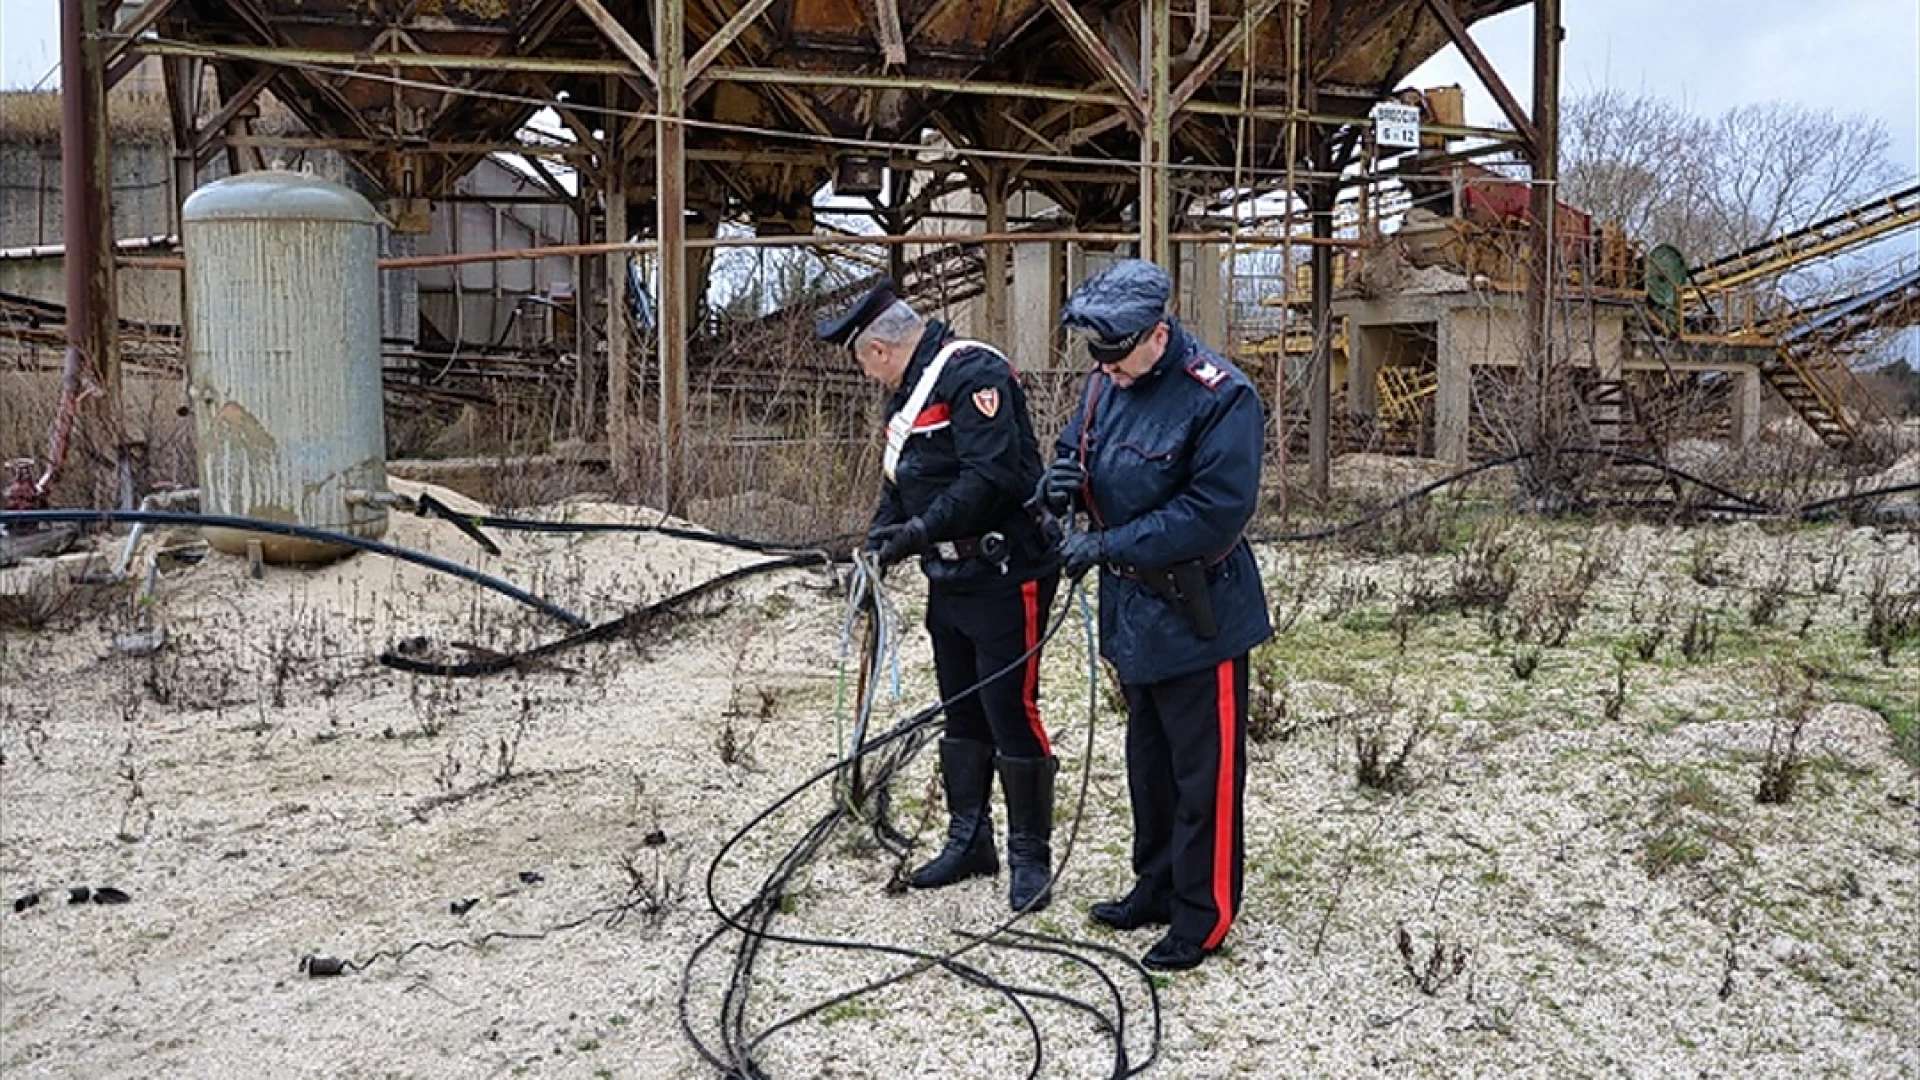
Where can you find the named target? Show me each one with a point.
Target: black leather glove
(1060, 485)
(896, 542)
(1081, 552)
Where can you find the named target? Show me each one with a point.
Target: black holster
(1184, 585)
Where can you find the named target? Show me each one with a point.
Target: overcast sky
(1846, 55)
(1850, 56)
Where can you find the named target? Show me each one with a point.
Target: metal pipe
(34, 252)
(152, 501)
(414, 262)
(90, 322)
(1544, 424)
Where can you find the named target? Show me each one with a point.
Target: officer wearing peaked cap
(1164, 456)
(961, 457)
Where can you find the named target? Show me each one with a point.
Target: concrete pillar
(619, 395)
(1366, 350)
(993, 191)
(1453, 400)
(1746, 406)
(1206, 307)
(1038, 277)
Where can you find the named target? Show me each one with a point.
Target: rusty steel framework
(685, 114)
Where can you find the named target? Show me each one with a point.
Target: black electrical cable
(1755, 505)
(901, 744)
(1813, 510)
(429, 505)
(630, 623)
(1117, 1027)
(280, 528)
(753, 918)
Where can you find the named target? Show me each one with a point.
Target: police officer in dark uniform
(961, 459)
(1164, 456)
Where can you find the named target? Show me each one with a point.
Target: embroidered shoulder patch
(1208, 374)
(987, 401)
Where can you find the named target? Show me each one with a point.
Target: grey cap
(1119, 302)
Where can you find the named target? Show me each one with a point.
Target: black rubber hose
(430, 505)
(625, 624)
(278, 528)
(1814, 509)
(1749, 505)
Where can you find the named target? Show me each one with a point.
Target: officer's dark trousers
(978, 632)
(1187, 774)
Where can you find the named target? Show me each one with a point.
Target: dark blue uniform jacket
(969, 466)
(1173, 473)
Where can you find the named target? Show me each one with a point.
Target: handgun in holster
(1184, 585)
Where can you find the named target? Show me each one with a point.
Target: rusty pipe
(78, 229)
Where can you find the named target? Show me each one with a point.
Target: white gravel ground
(1619, 902)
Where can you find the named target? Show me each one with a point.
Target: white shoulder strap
(900, 425)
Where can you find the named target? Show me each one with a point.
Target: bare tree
(1710, 186)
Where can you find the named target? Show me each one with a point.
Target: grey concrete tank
(283, 357)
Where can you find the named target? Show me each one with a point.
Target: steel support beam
(1457, 32)
(621, 39)
(914, 83)
(1320, 202)
(893, 44)
(670, 205)
(271, 54)
(221, 123)
(1100, 56)
(92, 321)
(119, 62)
(725, 36)
(1221, 50)
(1156, 138)
(181, 76)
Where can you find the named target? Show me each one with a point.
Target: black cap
(843, 328)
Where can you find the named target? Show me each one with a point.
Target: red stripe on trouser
(1030, 688)
(1223, 853)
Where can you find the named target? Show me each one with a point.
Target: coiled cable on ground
(752, 919)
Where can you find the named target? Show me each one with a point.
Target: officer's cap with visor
(843, 329)
(1118, 307)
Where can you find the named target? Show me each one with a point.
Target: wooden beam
(1095, 50)
(671, 294)
(725, 36)
(622, 40)
(1483, 67)
(1156, 136)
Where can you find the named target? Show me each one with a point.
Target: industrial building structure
(605, 148)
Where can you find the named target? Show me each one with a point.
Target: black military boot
(966, 771)
(1028, 783)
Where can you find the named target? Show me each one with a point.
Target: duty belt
(990, 546)
(1182, 585)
